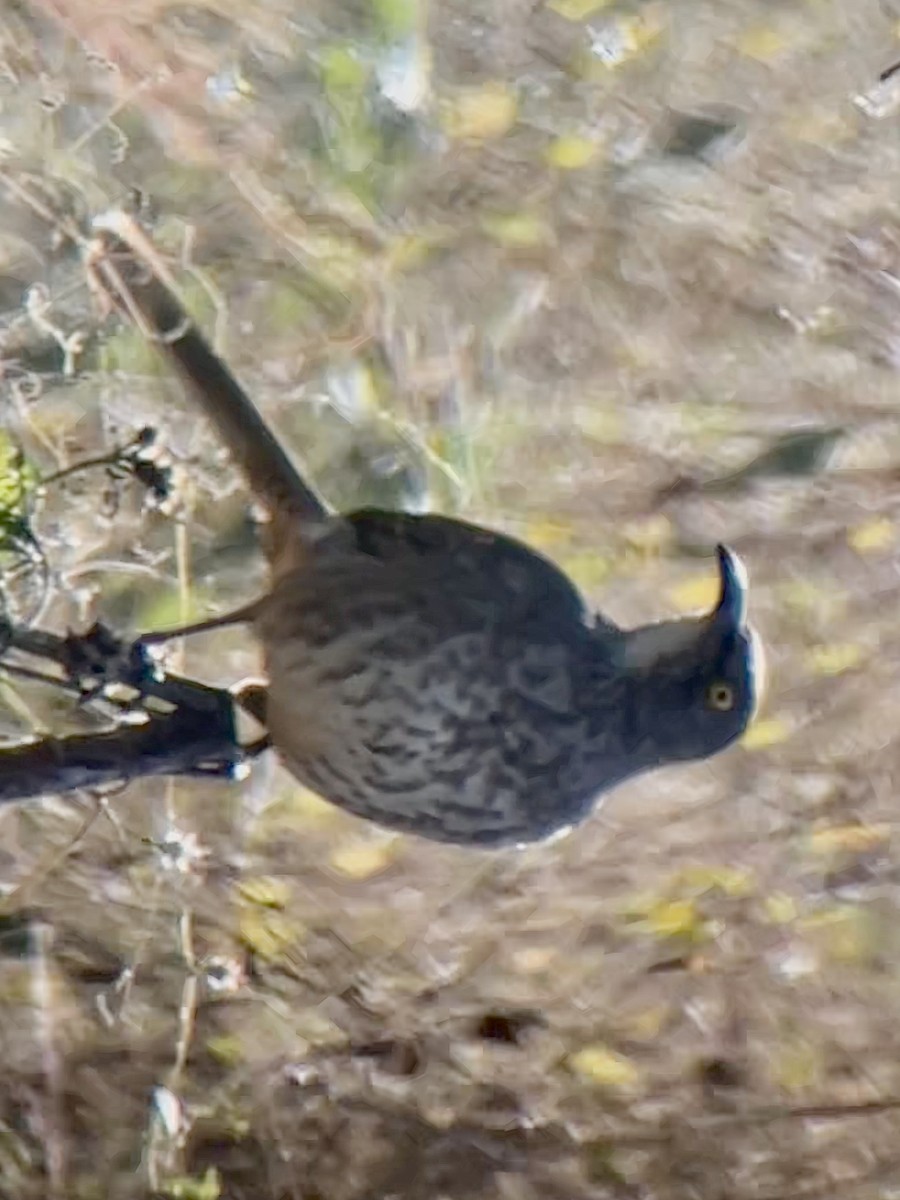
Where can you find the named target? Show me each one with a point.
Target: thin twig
(42, 990)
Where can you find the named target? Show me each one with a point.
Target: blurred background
(622, 279)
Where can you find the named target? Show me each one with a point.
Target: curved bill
(731, 608)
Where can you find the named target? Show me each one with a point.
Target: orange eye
(720, 696)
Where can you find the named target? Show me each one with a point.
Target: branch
(182, 727)
(180, 743)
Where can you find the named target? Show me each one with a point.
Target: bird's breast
(433, 713)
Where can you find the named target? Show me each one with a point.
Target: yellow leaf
(673, 918)
(761, 42)
(760, 735)
(480, 113)
(601, 421)
(306, 805)
(342, 70)
(226, 1049)
(410, 250)
(850, 839)
(587, 570)
(570, 152)
(845, 932)
(296, 810)
(265, 890)
(834, 659)
(269, 934)
(520, 230)
(407, 251)
(363, 860)
(314, 1027)
(729, 880)
(797, 1067)
(697, 594)
(803, 597)
(824, 322)
(647, 28)
(871, 536)
(544, 534)
(650, 536)
(780, 908)
(818, 129)
(648, 1023)
(603, 1066)
(534, 960)
(577, 10)
(333, 253)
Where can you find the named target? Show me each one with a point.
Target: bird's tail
(129, 272)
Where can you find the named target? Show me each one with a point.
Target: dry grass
(694, 995)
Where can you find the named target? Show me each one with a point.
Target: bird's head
(702, 677)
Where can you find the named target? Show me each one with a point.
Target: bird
(428, 674)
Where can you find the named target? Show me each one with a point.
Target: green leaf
(17, 477)
(397, 18)
(342, 72)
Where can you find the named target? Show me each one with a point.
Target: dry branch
(181, 726)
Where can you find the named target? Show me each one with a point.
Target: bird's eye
(720, 696)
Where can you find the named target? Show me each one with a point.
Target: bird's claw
(99, 658)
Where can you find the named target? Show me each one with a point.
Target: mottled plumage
(441, 678)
